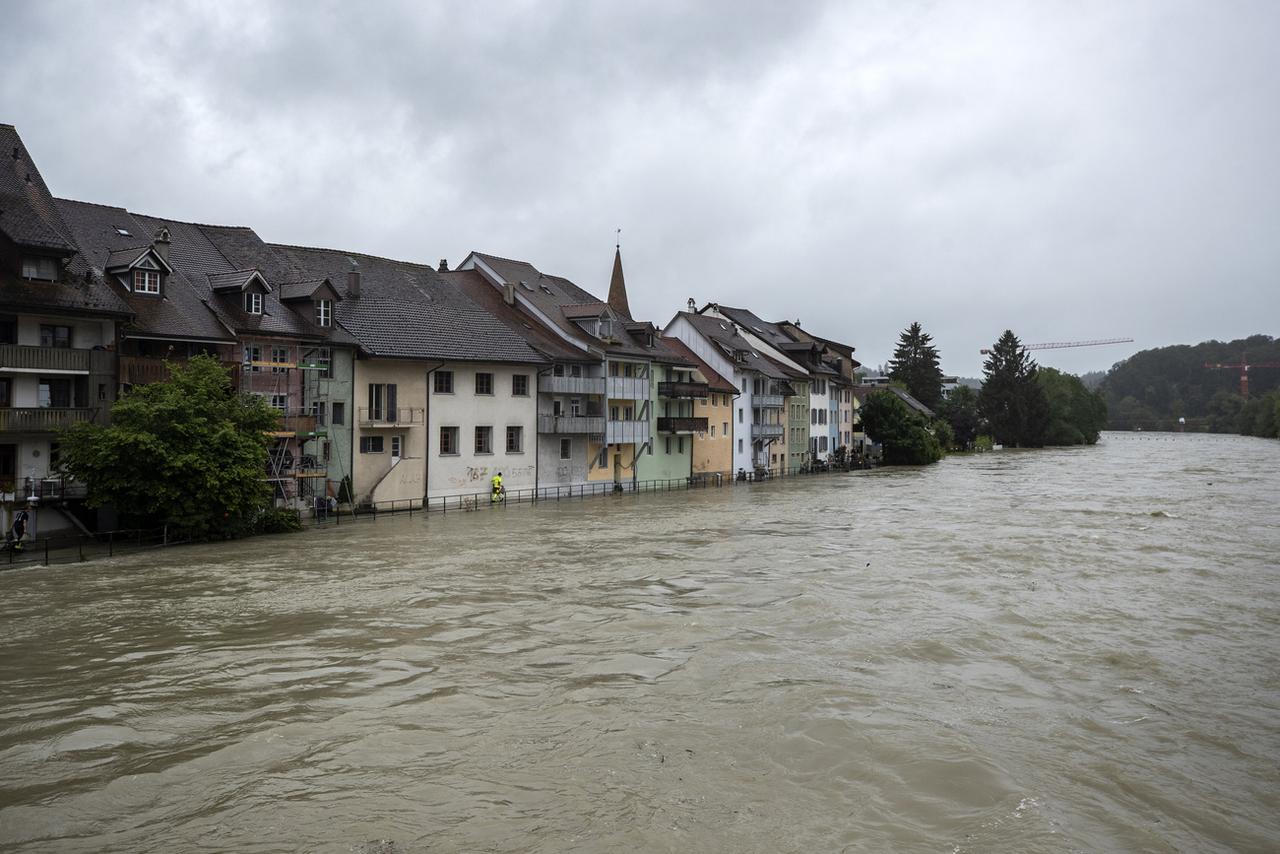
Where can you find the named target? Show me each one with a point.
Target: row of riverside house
(399, 384)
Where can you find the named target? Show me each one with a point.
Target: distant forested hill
(1152, 389)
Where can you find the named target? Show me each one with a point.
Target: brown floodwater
(1065, 650)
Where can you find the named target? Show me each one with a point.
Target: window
(253, 302)
(813, 416)
(326, 451)
(628, 413)
(55, 336)
(484, 440)
(319, 410)
(280, 402)
(739, 446)
(566, 449)
(556, 408)
(39, 267)
(6, 391)
(323, 357)
(339, 413)
(628, 370)
(146, 282)
(575, 406)
(382, 402)
(8, 329)
(448, 441)
(575, 370)
(680, 444)
(324, 312)
(370, 444)
(739, 414)
(397, 443)
(279, 355)
(724, 428)
(253, 354)
(520, 385)
(55, 393)
(666, 445)
(515, 440)
(614, 370)
(444, 382)
(557, 371)
(613, 413)
(713, 431)
(484, 383)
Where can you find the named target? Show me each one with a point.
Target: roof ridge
(352, 253)
(508, 260)
(92, 204)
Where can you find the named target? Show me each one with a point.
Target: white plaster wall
(467, 471)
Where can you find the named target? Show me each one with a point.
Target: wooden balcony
(25, 358)
(300, 425)
(593, 424)
(41, 419)
(682, 425)
(549, 384)
(680, 390)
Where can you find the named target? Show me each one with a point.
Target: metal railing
(550, 384)
(41, 419)
(571, 424)
(680, 389)
(767, 401)
(668, 424)
(401, 417)
(73, 548)
(29, 357)
(51, 489)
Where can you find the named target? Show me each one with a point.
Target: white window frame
(517, 432)
(324, 312)
(146, 282)
(253, 302)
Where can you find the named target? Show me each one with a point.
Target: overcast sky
(1069, 170)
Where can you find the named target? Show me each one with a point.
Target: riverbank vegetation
(189, 453)
(1171, 388)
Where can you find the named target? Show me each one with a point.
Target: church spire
(618, 285)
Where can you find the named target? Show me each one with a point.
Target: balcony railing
(28, 358)
(41, 419)
(683, 389)
(402, 417)
(52, 488)
(570, 424)
(766, 431)
(628, 388)
(298, 424)
(682, 425)
(622, 432)
(767, 401)
(549, 384)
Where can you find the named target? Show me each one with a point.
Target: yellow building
(713, 447)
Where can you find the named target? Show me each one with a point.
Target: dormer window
(146, 282)
(324, 312)
(39, 267)
(604, 328)
(253, 302)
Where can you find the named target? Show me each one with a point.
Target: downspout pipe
(426, 426)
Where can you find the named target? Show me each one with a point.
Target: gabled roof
(517, 319)
(862, 392)
(715, 381)
(126, 259)
(306, 290)
(409, 311)
(28, 215)
(236, 281)
(732, 344)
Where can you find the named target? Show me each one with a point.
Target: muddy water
(1068, 650)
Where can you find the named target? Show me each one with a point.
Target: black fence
(73, 548)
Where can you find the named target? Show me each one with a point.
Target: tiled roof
(233, 281)
(28, 214)
(409, 311)
(302, 290)
(516, 318)
(721, 333)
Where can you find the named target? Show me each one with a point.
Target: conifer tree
(1012, 400)
(915, 364)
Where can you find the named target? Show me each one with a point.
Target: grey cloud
(1068, 170)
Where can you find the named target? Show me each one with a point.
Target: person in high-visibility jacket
(496, 485)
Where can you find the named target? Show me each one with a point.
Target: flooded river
(1067, 650)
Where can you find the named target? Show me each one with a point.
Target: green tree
(916, 365)
(1076, 415)
(189, 452)
(902, 434)
(960, 410)
(1012, 401)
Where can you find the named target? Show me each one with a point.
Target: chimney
(509, 293)
(692, 305)
(353, 283)
(444, 265)
(161, 243)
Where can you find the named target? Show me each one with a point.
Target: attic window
(146, 282)
(123, 232)
(546, 290)
(39, 267)
(324, 312)
(253, 302)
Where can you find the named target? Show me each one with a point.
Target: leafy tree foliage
(960, 411)
(1152, 389)
(902, 433)
(189, 452)
(1012, 399)
(1076, 415)
(916, 365)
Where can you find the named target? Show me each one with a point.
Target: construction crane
(1058, 345)
(1244, 365)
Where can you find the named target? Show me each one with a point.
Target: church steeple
(618, 285)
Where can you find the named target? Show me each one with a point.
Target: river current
(1060, 650)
